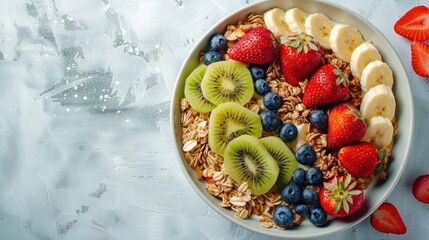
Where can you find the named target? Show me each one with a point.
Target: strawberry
(360, 160)
(419, 58)
(414, 24)
(421, 188)
(256, 47)
(327, 85)
(300, 55)
(386, 219)
(341, 197)
(346, 125)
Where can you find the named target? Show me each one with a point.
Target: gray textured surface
(85, 87)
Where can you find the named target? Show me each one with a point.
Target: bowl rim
(191, 181)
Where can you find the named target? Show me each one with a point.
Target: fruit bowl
(404, 117)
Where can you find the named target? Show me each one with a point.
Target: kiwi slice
(285, 159)
(227, 81)
(228, 121)
(193, 92)
(247, 160)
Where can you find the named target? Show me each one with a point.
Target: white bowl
(404, 116)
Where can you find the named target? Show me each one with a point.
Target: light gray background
(85, 147)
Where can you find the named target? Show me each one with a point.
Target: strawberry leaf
(299, 49)
(305, 49)
(313, 46)
(379, 169)
(381, 154)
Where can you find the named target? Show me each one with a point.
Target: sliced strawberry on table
(421, 188)
(256, 47)
(346, 125)
(341, 196)
(327, 85)
(300, 56)
(360, 160)
(420, 58)
(414, 24)
(386, 219)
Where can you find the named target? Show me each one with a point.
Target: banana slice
(344, 39)
(303, 130)
(295, 19)
(319, 26)
(275, 22)
(379, 131)
(376, 72)
(378, 101)
(361, 56)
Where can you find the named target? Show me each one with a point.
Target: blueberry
(288, 132)
(257, 72)
(272, 101)
(305, 154)
(319, 119)
(291, 193)
(318, 217)
(211, 57)
(282, 216)
(270, 121)
(314, 176)
(310, 196)
(302, 209)
(261, 87)
(218, 42)
(299, 176)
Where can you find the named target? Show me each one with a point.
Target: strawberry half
(420, 58)
(414, 24)
(386, 219)
(341, 196)
(327, 85)
(360, 160)
(300, 56)
(421, 188)
(346, 125)
(256, 47)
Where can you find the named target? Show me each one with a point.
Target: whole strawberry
(256, 47)
(300, 55)
(341, 197)
(327, 85)
(360, 160)
(346, 125)
(421, 188)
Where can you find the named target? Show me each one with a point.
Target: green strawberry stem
(342, 77)
(301, 42)
(341, 192)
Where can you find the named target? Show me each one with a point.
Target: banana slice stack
(376, 79)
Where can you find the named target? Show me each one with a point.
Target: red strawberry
(421, 188)
(341, 197)
(300, 55)
(414, 24)
(419, 58)
(386, 219)
(360, 160)
(256, 47)
(345, 126)
(327, 85)
(210, 180)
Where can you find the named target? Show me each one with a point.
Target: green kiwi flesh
(193, 92)
(228, 121)
(285, 159)
(247, 160)
(227, 81)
